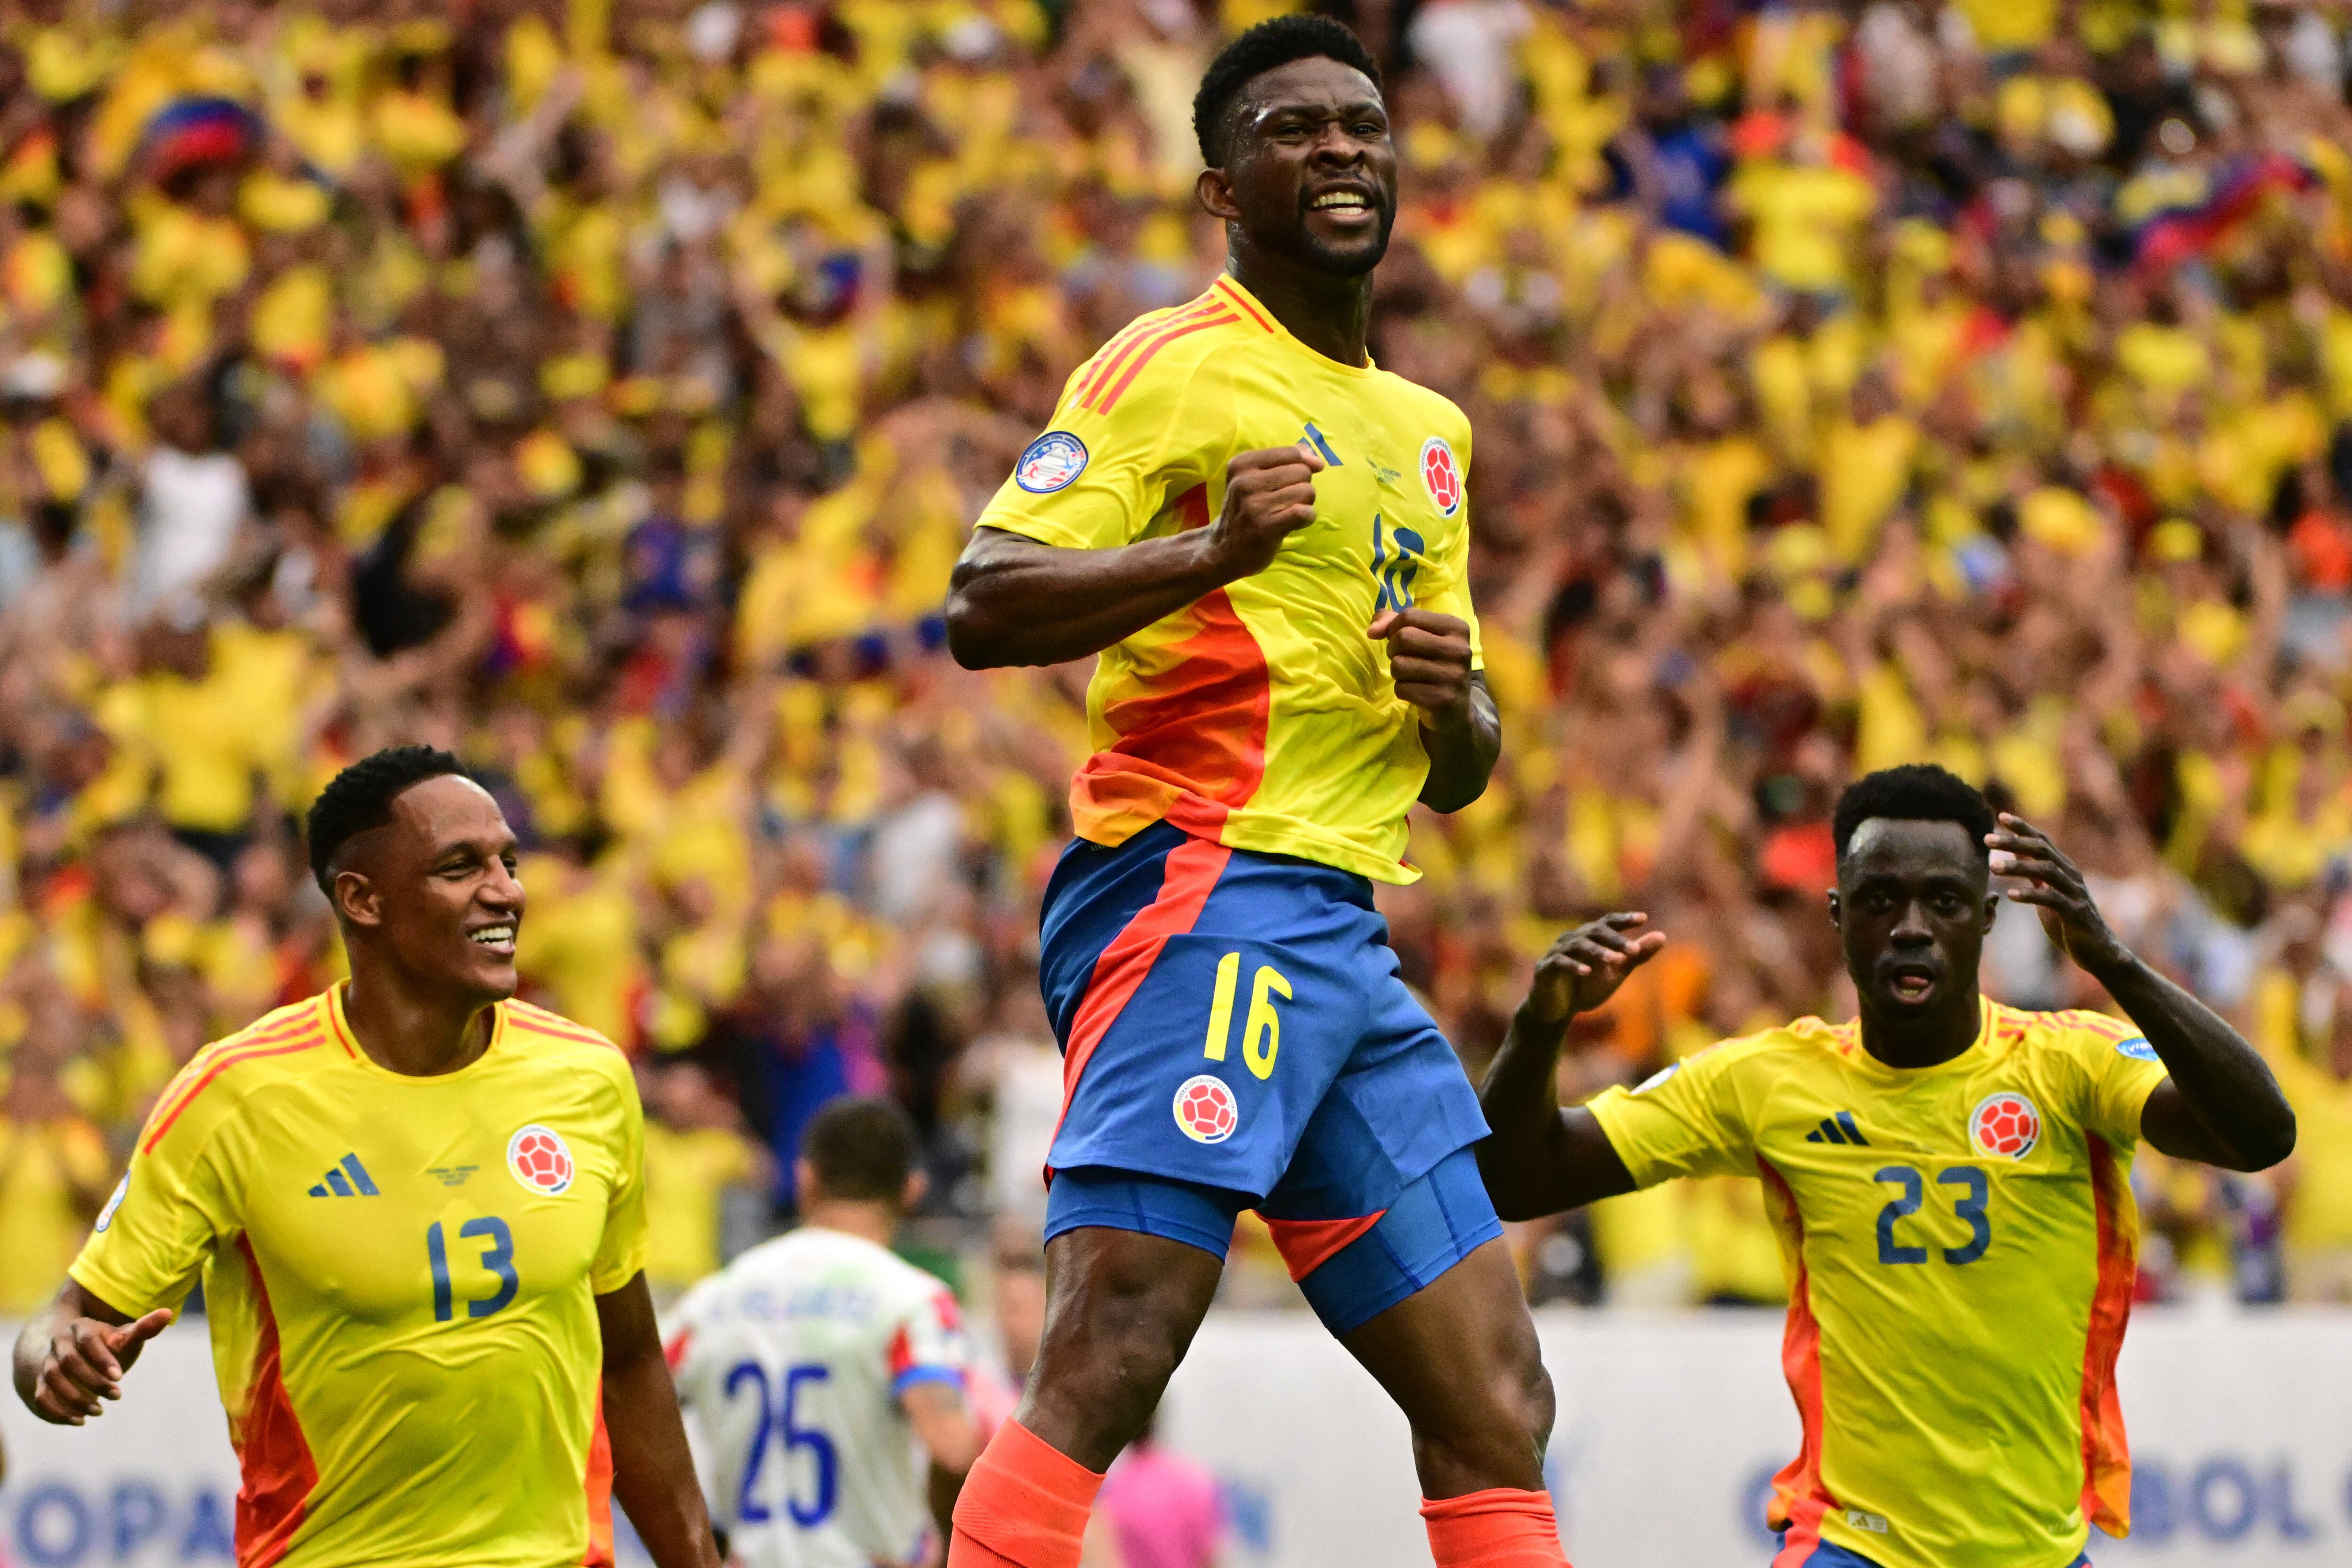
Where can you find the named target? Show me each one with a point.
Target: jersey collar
(1251, 306)
(341, 1028)
(1989, 1021)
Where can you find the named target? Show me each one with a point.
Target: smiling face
(1912, 907)
(1309, 172)
(434, 890)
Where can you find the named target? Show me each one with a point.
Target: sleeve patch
(2137, 1048)
(1657, 1078)
(106, 1215)
(1051, 463)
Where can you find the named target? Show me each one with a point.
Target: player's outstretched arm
(943, 1422)
(1541, 1158)
(73, 1355)
(2221, 1105)
(652, 1471)
(1013, 601)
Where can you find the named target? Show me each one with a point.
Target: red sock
(1025, 1505)
(1501, 1527)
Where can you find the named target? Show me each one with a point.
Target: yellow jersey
(1260, 716)
(1961, 1245)
(399, 1277)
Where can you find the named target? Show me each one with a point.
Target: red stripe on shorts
(1186, 879)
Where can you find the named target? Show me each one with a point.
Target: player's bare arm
(653, 1471)
(1428, 658)
(2221, 1105)
(1541, 1158)
(73, 1355)
(1013, 601)
(942, 1423)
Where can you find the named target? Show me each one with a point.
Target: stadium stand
(604, 389)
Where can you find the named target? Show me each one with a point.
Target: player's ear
(1837, 911)
(805, 1181)
(912, 1193)
(1215, 190)
(356, 901)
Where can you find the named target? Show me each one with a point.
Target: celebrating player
(809, 1361)
(1263, 537)
(1949, 1179)
(417, 1210)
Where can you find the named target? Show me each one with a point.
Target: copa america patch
(1052, 461)
(2137, 1048)
(106, 1215)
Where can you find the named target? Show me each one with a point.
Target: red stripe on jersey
(1233, 294)
(1105, 402)
(1192, 746)
(1106, 363)
(185, 1085)
(1186, 878)
(226, 1060)
(1804, 1536)
(2107, 1456)
(277, 1472)
(598, 1484)
(674, 1353)
(902, 1353)
(1306, 1245)
(1799, 1484)
(563, 1032)
(1094, 370)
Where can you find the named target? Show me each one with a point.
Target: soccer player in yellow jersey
(1949, 1179)
(416, 1207)
(1264, 538)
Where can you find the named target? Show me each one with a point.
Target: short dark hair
(360, 798)
(1915, 792)
(1270, 44)
(861, 1148)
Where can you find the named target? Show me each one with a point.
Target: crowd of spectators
(604, 389)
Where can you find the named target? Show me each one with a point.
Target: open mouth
(1911, 985)
(1349, 205)
(498, 939)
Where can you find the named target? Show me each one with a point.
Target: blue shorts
(1233, 1022)
(1825, 1555)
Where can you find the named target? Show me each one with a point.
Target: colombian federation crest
(1440, 476)
(1205, 1110)
(2005, 1126)
(540, 1159)
(1052, 461)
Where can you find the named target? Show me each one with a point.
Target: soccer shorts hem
(1350, 1269)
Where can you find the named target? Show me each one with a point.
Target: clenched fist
(1269, 496)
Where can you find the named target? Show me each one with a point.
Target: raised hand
(1585, 967)
(2056, 889)
(1429, 659)
(85, 1364)
(1269, 496)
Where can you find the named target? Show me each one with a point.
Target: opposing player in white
(814, 1367)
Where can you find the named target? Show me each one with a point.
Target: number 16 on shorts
(1262, 1030)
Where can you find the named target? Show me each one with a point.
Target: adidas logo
(1837, 1129)
(348, 1180)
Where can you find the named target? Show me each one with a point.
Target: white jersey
(790, 1364)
